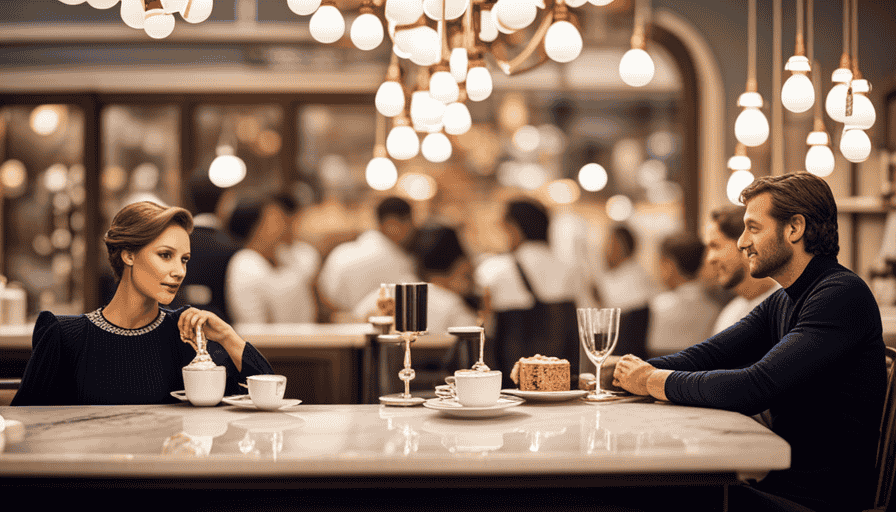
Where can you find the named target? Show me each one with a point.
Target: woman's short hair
(531, 217)
(805, 194)
(138, 224)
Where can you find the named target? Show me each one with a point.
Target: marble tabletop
(311, 441)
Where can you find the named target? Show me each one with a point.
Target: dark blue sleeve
(739, 345)
(833, 321)
(47, 378)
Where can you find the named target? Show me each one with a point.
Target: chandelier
(156, 17)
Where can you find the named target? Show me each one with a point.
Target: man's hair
(805, 194)
(245, 216)
(531, 217)
(203, 193)
(437, 248)
(626, 238)
(730, 220)
(287, 202)
(685, 250)
(138, 224)
(393, 207)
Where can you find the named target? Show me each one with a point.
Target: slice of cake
(541, 373)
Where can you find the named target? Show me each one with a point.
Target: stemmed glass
(598, 332)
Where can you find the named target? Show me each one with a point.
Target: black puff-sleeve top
(86, 360)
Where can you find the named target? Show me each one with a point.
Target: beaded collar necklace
(100, 321)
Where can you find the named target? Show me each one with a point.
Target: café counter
(572, 444)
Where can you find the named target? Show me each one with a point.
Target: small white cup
(205, 387)
(477, 389)
(267, 391)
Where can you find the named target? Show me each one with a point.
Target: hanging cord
(751, 48)
(855, 53)
(800, 45)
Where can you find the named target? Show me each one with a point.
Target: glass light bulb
(405, 40)
(381, 173)
(488, 32)
(619, 208)
(798, 95)
(855, 145)
(102, 4)
(458, 63)
(327, 25)
(453, 9)
(426, 48)
(457, 119)
(227, 170)
(132, 13)
(479, 83)
(751, 127)
(740, 163)
(863, 114)
(389, 99)
(515, 14)
(158, 24)
(402, 143)
(835, 104)
(367, 32)
(404, 12)
(576, 3)
(820, 160)
(197, 11)
(425, 110)
(600, 3)
(303, 7)
(443, 87)
(737, 182)
(436, 147)
(72, 2)
(563, 43)
(593, 177)
(636, 68)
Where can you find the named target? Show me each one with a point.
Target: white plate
(180, 395)
(454, 408)
(398, 400)
(243, 401)
(546, 396)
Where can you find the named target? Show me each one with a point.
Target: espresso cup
(477, 389)
(266, 391)
(205, 387)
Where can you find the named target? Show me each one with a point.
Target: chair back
(886, 446)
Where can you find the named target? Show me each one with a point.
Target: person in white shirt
(532, 292)
(732, 267)
(259, 288)
(354, 269)
(684, 315)
(298, 263)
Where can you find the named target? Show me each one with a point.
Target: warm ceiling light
(751, 127)
(855, 144)
(457, 119)
(593, 177)
(819, 159)
(737, 182)
(436, 147)
(636, 67)
(303, 7)
(367, 31)
(327, 24)
(619, 208)
(381, 173)
(45, 119)
(563, 42)
(563, 191)
(798, 95)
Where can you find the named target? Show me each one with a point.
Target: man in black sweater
(812, 354)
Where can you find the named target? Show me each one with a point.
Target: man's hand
(631, 374)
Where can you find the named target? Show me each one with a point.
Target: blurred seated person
(298, 262)
(625, 284)
(732, 268)
(259, 288)
(212, 247)
(443, 263)
(132, 350)
(684, 315)
(533, 293)
(354, 269)
(812, 353)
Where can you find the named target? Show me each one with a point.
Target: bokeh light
(563, 191)
(619, 208)
(593, 177)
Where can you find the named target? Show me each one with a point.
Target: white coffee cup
(205, 387)
(477, 389)
(267, 391)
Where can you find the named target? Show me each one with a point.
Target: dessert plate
(245, 402)
(454, 408)
(546, 396)
(619, 399)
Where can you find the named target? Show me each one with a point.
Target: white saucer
(454, 408)
(245, 402)
(398, 400)
(180, 395)
(546, 396)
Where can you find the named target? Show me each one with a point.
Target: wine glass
(598, 332)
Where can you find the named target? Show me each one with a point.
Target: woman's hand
(631, 374)
(214, 329)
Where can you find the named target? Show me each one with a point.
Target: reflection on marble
(322, 440)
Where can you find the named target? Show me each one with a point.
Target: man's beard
(736, 278)
(771, 264)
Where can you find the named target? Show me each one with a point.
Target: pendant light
(835, 103)
(798, 94)
(751, 127)
(819, 158)
(636, 67)
(380, 173)
(858, 112)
